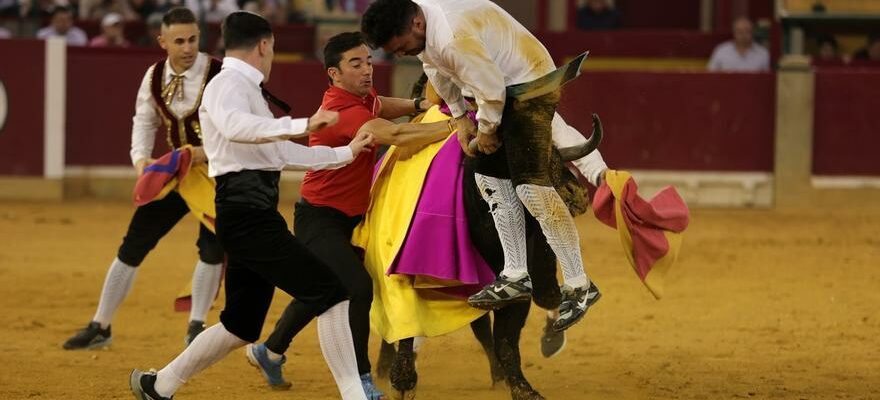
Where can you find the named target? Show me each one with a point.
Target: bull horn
(575, 152)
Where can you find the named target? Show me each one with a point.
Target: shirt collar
(252, 74)
(192, 72)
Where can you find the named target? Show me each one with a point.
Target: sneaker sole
(93, 346)
(578, 319)
(256, 364)
(499, 303)
(134, 384)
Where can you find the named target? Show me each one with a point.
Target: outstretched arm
(387, 132)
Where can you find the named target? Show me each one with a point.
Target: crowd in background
(108, 20)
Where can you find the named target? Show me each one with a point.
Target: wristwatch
(417, 104)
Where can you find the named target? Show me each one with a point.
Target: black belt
(253, 188)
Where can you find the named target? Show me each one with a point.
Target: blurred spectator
(5, 33)
(273, 11)
(61, 24)
(871, 52)
(112, 32)
(741, 54)
(214, 10)
(98, 9)
(598, 15)
(9, 8)
(143, 8)
(827, 53)
(154, 29)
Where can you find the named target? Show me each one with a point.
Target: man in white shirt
(475, 46)
(247, 148)
(61, 24)
(741, 54)
(169, 95)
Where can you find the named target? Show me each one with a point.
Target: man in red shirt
(334, 201)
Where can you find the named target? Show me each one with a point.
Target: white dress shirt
(239, 131)
(74, 35)
(477, 47)
(147, 117)
(727, 58)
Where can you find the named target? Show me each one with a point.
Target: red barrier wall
(631, 43)
(674, 14)
(678, 121)
(21, 137)
(103, 84)
(846, 128)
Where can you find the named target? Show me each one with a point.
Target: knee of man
(211, 253)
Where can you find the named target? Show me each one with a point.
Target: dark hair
(825, 38)
(385, 19)
(178, 15)
(340, 44)
(242, 30)
(59, 10)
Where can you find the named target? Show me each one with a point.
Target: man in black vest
(247, 148)
(169, 97)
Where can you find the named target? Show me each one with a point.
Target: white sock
(558, 226)
(273, 355)
(507, 212)
(334, 334)
(206, 349)
(205, 283)
(117, 284)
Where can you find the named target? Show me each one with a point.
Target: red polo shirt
(346, 189)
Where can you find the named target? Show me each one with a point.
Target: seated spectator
(741, 54)
(96, 10)
(61, 25)
(827, 53)
(871, 52)
(112, 32)
(214, 10)
(154, 29)
(598, 15)
(143, 8)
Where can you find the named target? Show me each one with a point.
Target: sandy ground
(762, 304)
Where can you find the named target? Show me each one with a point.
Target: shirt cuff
(298, 126)
(344, 154)
(458, 109)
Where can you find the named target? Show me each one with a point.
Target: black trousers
(263, 254)
(152, 221)
(327, 233)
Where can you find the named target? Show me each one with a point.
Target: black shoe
(90, 337)
(502, 292)
(575, 303)
(194, 329)
(143, 384)
(552, 342)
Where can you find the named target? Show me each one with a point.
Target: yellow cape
(400, 310)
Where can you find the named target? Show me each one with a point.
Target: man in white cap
(112, 32)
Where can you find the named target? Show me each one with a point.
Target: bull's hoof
(403, 375)
(403, 394)
(524, 391)
(386, 359)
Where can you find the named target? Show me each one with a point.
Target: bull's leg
(482, 328)
(509, 322)
(403, 374)
(387, 352)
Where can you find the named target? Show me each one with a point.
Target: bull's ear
(575, 152)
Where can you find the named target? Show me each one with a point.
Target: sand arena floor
(762, 304)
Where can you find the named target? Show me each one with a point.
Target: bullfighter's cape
(650, 230)
(175, 171)
(408, 302)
